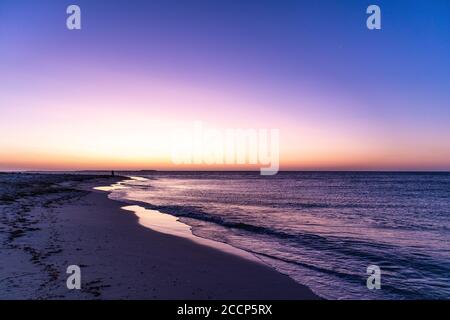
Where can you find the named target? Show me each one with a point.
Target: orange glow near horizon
(127, 125)
(337, 158)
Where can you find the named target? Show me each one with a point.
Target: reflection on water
(168, 224)
(119, 185)
(164, 223)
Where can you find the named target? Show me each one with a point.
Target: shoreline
(167, 223)
(119, 258)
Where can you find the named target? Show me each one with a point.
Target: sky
(110, 95)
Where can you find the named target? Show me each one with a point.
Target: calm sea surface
(321, 228)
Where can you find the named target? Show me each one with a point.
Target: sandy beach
(49, 222)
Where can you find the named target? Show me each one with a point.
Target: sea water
(323, 229)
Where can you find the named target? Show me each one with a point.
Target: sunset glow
(110, 95)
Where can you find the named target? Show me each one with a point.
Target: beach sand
(48, 222)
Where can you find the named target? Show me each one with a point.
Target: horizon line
(228, 171)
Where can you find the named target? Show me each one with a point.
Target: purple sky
(343, 96)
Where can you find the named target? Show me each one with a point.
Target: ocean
(323, 229)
